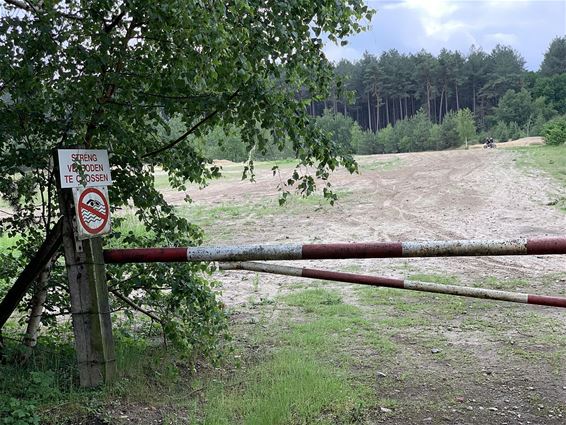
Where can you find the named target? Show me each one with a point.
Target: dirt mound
(525, 141)
(223, 162)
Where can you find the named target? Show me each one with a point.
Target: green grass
(502, 284)
(281, 163)
(308, 377)
(304, 373)
(4, 205)
(148, 373)
(379, 165)
(551, 159)
(291, 387)
(329, 323)
(208, 216)
(434, 278)
(229, 172)
(408, 308)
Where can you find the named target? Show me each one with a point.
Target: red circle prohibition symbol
(84, 207)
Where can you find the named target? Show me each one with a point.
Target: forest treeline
(399, 102)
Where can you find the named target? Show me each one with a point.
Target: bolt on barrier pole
(463, 291)
(263, 252)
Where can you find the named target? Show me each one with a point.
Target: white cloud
(501, 4)
(433, 8)
(435, 16)
(411, 25)
(444, 20)
(334, 52)
(501, 38)
(442, 30)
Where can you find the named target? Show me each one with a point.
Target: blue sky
(410, 25)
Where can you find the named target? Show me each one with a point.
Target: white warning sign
(93, 212)
(84, 168)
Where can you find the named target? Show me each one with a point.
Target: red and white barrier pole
(522, 246)
(463, 291)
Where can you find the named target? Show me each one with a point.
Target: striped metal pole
(521, 246)
(462, 291)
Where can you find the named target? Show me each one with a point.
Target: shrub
(340, 129)
(501, 132)
(368, 144)
(515, 131)
(449, 136)
(17, 412)
(554, 131)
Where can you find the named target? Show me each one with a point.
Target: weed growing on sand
(380, 165)
(308, 376)
(551, 159)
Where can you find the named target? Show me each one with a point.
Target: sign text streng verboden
(84, 168)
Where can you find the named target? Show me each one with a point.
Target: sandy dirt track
(461, 194)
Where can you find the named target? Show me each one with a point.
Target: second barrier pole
(462, 291)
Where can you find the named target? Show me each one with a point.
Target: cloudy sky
(410, 25)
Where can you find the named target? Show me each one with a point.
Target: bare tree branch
(136, 105)
(19, 4)
(6, 83)
(28, 7)
(189, 131)
(115, 21)
(135, 306)
(108, 92)
(164, 96)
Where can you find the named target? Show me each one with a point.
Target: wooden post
(90, 307)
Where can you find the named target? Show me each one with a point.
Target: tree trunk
(406, 112)
(394, 111)
(36, 311)
(434, 105)
(446, 101)
(428, 99)
(413, 105)
(387, 111)
(440, 107)
(377, 115)
(369, 114)
(400, 108)
(457, 100)
(474, 98)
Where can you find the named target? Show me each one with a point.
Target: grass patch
(551, 159)
(311, 299)
(46, 388)
(411, 308)
(206, 215)
(380, 165)
(308, 378)
(329, 321)
(289, 388)
(372, 296)
(434, 278)
(502, 284)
